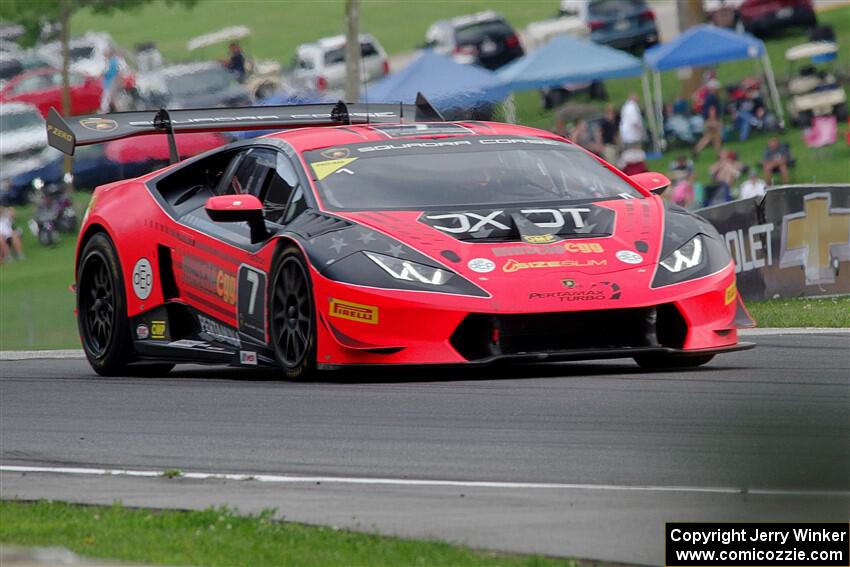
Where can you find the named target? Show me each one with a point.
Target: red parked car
(43, 89)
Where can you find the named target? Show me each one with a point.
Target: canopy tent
(566, 59)
(708, 45)
(444, 82)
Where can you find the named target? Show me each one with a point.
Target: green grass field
(221, 537)
(802, 312)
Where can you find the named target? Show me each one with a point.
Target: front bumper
(359, 325)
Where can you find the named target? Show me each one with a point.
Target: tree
(690, 13)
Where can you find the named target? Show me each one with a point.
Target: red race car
(380, 235)
(43, 89)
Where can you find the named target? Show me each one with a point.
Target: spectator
(111, 82)
(610, 133)
(753, 186)
(777, 157)
(236, 62)
(724, 173)
(586, 136)
(631, 122)
(633, 161)
(684, 193)
(681, 168)
(10, 236)
(712, 113)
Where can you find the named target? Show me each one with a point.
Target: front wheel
(654, 361)
(293, 315)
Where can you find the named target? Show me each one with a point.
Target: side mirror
(239, 208)
(653, 182)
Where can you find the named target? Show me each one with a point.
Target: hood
(506, 253)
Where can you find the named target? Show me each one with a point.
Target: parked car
(484, 39)
(43, 89)
(320, 65)
(23, 131)
(98, 165)
(191, 85)
(623, 24)
(87, 54)
(761, 17)
(15, 63)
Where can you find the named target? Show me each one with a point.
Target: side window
(283, 181)
(33, 83)
(252, 175)
(367, 49)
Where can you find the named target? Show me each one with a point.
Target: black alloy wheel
(293, 318)
(97, 305)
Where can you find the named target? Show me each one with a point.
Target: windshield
(460, 172)
(474, 33)
(614, 8)
(202, 81)
(19, 120)
(81, 52)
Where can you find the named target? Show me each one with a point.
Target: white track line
(294, 479)
(78, 354)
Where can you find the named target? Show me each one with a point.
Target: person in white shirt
(631, 122)
(754, 186)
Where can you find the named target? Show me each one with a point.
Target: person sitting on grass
(777, 158)
(10, 237)
(724, 173)
(754, 186)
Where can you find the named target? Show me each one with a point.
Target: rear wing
(66, 134)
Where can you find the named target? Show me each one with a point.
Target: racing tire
(293, 315)
(653, 361)
(102, 307)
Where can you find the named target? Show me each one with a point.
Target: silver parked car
(320, 65)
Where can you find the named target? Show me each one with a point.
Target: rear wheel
(654, 361)
(101, 313)
(293, 319)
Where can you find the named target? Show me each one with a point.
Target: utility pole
(690, 13)
(352, 50)
(64, 39)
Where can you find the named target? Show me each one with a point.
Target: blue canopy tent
(708, 45)
(446, 84)
(566, 59)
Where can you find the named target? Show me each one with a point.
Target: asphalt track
(585, 460)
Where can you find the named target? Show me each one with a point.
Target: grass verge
(802, 312)
(216, 537)
(36, 306)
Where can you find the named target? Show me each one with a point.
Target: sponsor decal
(513, 266)
(158, 329)
(58, 132)
(568, 283)
(629, 257)
(531, 141)
(142, 332)
(324, 168)
(751, 248)
(442, 144)
(209, 278)
(731, 293)
(99, 124)
(817, 239)
(218, 331)
(335, 153)
(472, 222)
(481, 265)
(142, 278)
(600, 291)
(354, 311)
(539, 238)
(558, 249)
(248, 357)
(251, 302)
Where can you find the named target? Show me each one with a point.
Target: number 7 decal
(251, 302)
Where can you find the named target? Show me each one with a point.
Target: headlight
(409, 271)
(687, 257)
